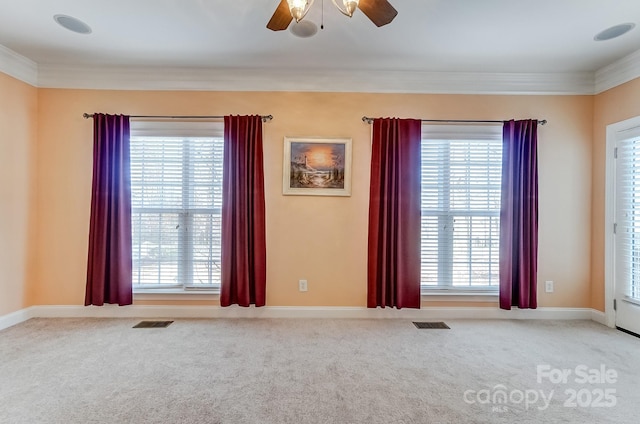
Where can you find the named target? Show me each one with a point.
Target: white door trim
(613, 130)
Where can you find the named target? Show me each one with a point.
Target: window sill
(459, 296)
(631, 300)
(175, 294)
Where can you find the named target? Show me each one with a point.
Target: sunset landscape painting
(317, 167)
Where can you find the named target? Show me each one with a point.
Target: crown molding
(617, 73)
(18, 66)
(228, 79)
(222, 79)
(319, 80)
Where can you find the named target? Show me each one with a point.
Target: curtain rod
(455, 121)
(265, 118)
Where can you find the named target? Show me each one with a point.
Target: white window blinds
(176, 185)
(461, 190)
(628, 216)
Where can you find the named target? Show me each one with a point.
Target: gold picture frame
(317, 166)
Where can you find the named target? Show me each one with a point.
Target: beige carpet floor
(317, 371)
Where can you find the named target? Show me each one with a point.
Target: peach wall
(615, 105)
(18, 113)
(321, 239)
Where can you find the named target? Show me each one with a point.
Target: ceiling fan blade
(281, 17)
(379, 11)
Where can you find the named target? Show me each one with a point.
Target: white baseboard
(598, 316)
(432, 313)
(16, 317)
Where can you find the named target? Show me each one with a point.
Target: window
(460, 202)
(176, 190)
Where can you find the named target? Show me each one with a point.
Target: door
(627, 230)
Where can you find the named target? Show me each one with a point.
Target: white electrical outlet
(302, 285)
(548, 286)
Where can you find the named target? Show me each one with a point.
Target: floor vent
(431, 325)
(152, 324)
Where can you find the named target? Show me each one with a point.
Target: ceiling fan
(380, 12)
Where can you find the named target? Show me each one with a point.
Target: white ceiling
(473, 36)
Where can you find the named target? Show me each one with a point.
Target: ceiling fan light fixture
(350, 6)
(379, 12)
(299, 8)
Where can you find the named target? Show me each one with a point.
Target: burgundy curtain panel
(243, 213)
(519, 215)
(394, 215)
(109, 262)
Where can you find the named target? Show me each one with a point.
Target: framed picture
(317, 166)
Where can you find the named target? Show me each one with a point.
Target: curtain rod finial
(267, 118)
(542, 122)
(367, 120)
(87, 115)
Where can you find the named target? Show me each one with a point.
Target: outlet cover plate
(548, 286)
(302, 285)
